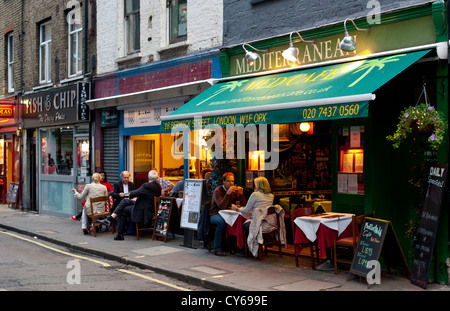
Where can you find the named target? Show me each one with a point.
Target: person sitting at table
(223, 197)
(260, 198)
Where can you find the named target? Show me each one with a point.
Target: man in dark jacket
(122, 189)
(140, 206)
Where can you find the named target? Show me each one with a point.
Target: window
(10, 50)
(45, 40)
(74, 49)
(132, 26)
(177, 11)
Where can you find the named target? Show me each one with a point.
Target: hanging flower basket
(419, 120)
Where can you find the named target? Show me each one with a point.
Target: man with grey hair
(140, 206)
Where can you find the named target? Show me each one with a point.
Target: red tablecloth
(325, 238)
(237, 231)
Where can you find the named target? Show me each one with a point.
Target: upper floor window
(10, 59)
(75, 46)
(45, 40)
(132, 26)
(177, 11)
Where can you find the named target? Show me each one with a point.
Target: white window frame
(46, 45)
(74, 52)
(136, 15)
(10, 60)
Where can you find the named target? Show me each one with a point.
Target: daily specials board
(429, 219)
(164, 210)
(194, 191)
(377, 237)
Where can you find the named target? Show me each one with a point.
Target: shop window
(177, 12)
(83, 157)
(2, 160)
(132, 26)
(305, 159)
(57, 151)
(45, 40)
(351, 160)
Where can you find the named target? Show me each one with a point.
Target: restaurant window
(177, 24)
(45, 40)
(57, 151)
(10, 59)
(132, 26)
(351, 160)
(75, 46)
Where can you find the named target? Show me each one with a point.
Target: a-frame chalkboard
(377, 237)
(164, 207)
(426, 236)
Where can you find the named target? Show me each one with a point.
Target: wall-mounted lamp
(348, 44)
(291, 52)
(249, 55)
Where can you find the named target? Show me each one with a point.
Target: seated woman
(261, 197)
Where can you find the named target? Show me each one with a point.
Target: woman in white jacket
(92, 190)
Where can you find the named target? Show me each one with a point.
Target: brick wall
(37, 12)
(10, 21)
(246, 22)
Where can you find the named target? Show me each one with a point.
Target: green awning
(321, 93)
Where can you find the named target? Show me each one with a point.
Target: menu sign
(164, 212)
(377, 237)
(426, 236)
(193, 198)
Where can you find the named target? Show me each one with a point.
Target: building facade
(350, 98)
(152, 58)
(59, 38)
(11, 85)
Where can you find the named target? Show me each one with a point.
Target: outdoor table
(234, 222)
(323, 228)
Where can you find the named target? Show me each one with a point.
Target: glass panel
(56, 196)
(83, 157)
(57, 151)
(178, 19)
(131, 6)
(133, 33)
(42, 63)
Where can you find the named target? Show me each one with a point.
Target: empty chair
(349, 243)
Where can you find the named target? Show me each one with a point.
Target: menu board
(194, 192)
(12, 192)
(377, 237)
(426, 236)
(164, 206)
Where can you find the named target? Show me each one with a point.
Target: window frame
(47, 47)
(10, 61)
(132, 17)
(173, 36)
(78, 48)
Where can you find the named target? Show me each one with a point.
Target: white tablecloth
(310, 224)
(229, 216)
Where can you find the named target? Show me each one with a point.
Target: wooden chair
(271, 238)
(351, 242)
(93, 225)
(304, 211)
(140, 225)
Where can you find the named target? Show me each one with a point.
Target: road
(27, 264)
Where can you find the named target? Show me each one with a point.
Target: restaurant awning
(152, 96)
(321, 93)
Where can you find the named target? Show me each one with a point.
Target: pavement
(197, 265)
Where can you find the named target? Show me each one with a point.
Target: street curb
(182, 277)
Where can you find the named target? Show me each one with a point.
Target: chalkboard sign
(429, 219)
(12, 192)
(377, 237)
(164, 207)
(194, 198)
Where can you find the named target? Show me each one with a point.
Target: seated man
(140, 206)
(223, 197)
(121, 189)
